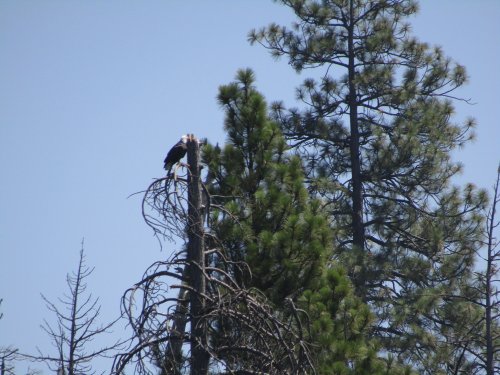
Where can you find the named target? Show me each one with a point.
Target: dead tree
(76, 327)
(7, 357)
(213, 323)
(196, 261)
(480, 342)
(491, 304)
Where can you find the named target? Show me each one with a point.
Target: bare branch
(243, 332)
(76, 327)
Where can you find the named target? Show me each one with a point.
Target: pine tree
(285, 236)
(376, 135)
(269, 222)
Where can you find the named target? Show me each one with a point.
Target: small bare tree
(490, 354)
(76, 328)
(478, 340)
(7, 356)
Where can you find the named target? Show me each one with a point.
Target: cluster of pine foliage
(346, 204)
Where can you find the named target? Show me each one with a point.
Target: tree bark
(358, 228)
(357, 187)
(199, 356)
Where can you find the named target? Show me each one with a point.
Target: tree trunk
(489, 284)
(196, 259)
(358, 229)
(357, 187)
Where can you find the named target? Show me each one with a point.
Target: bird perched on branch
(176, 153)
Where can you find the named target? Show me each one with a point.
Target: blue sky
(94, 93)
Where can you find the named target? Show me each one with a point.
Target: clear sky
(94, 93)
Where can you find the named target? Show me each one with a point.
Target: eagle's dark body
(176, 153)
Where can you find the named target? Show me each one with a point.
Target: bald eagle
(176, 153)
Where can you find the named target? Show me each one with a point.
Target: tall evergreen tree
(376, 136)
(283, 235)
